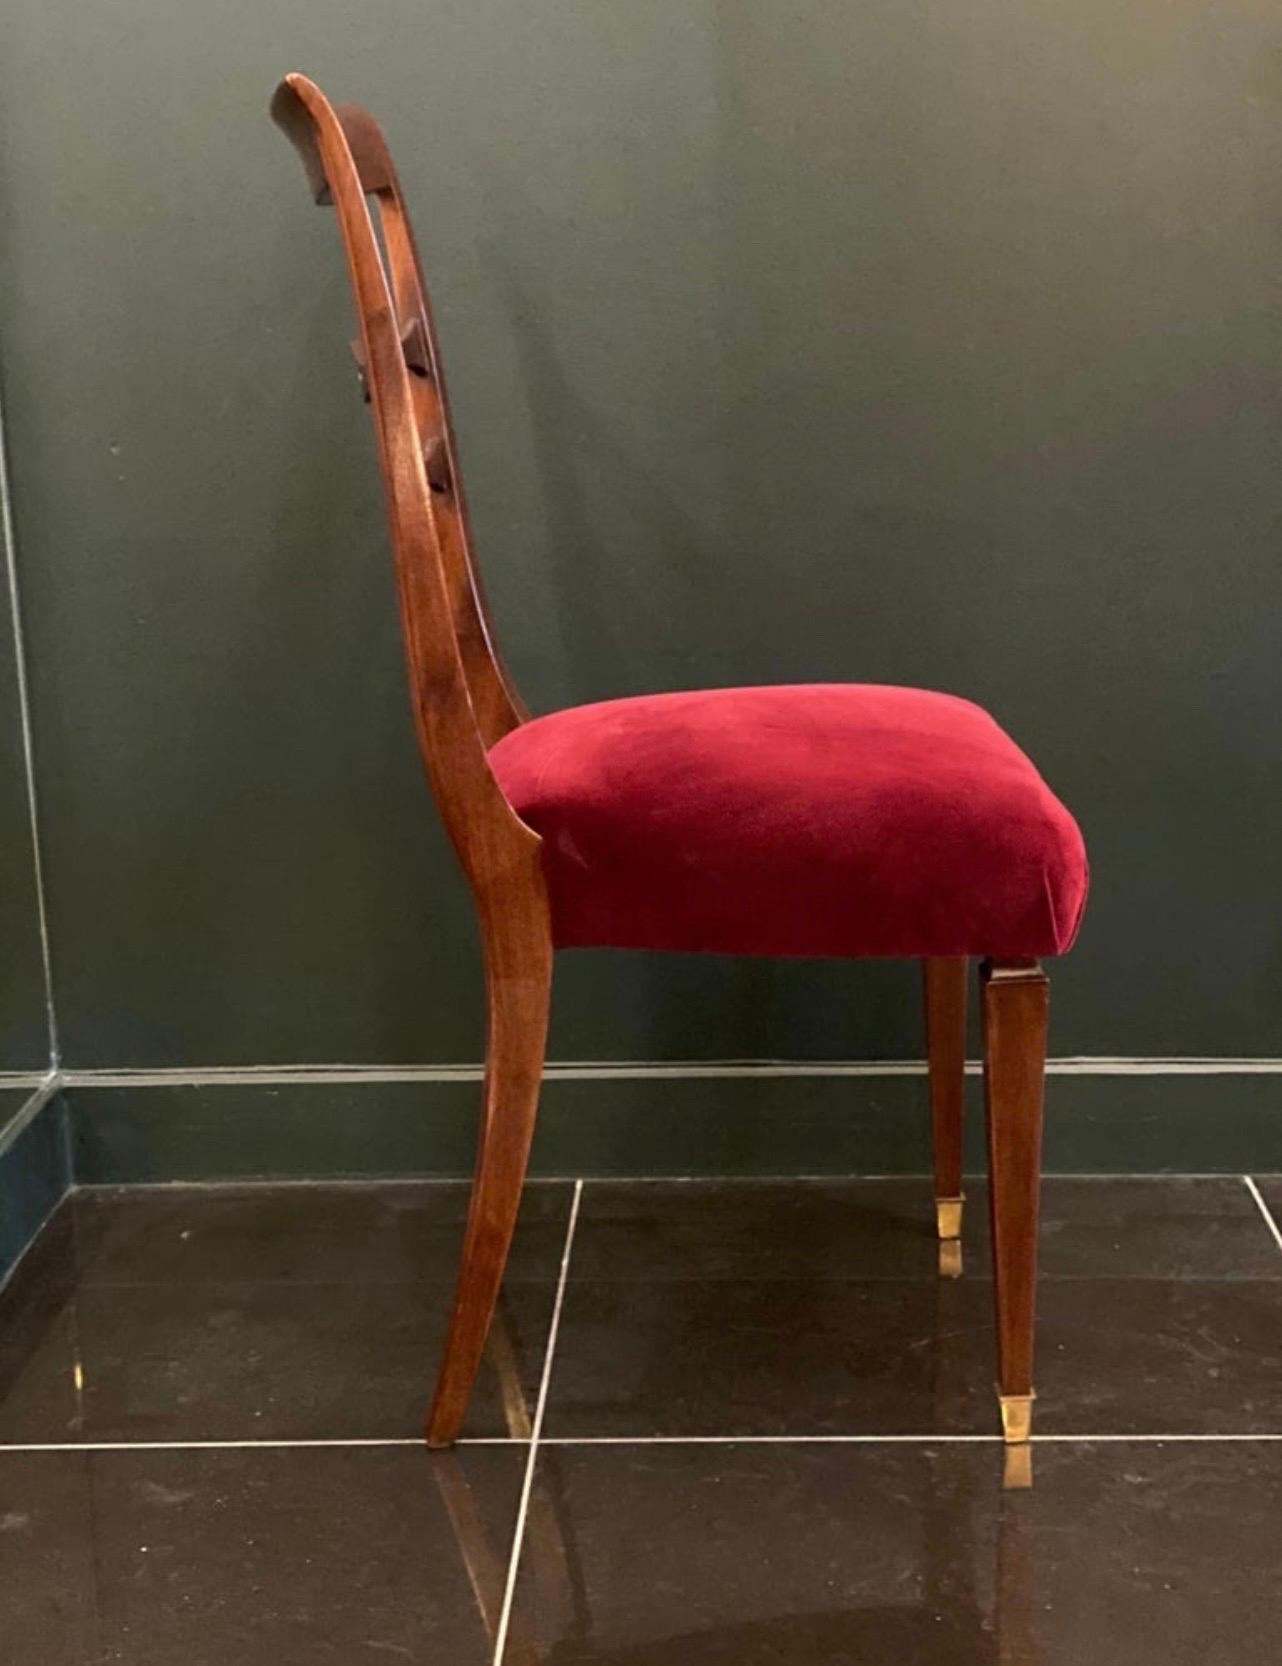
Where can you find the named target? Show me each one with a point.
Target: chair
(848, 820)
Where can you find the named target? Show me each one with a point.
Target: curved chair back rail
(463, 699)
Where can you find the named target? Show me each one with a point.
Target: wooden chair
(824, 820)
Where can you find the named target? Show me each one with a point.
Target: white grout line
(376, 1442)
(771, 1440)
(305, 1075)
(193, 1445)
(536, 1429)
(28, 752)
(863, 1440)
(1156, 1440)
(1264, 1209)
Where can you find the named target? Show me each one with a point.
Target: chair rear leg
(945, 992)
(518, 971)
(1015, 996)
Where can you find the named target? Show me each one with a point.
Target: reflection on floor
(762, 1432)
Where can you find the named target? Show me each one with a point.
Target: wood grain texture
(518, 978)
(461, 697)
(945, 999)
(1015, 1001)
(345, 158)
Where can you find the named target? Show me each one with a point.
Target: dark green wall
(911, 342)
(24, 1025)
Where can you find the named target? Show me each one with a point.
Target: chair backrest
(463, 699)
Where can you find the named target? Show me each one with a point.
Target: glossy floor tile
(327, 1234)
(837, 1556)
(1189, 1357)
(871, 1229)
(772, 1308)
(289, 1314)
(694, 1312)
(772, 1357)
(263, 1558)
(766, 1357)
(1167, 1228)
(251, 1361)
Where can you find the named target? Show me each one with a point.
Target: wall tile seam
(9, 540)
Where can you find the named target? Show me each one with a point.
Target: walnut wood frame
(464, 701)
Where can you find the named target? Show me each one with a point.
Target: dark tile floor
(764, 1432)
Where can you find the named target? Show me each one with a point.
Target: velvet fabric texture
(826, 819)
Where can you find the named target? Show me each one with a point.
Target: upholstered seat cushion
(827, 819)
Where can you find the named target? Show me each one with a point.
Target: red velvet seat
(827, 819)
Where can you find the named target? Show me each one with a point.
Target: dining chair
(849, 820)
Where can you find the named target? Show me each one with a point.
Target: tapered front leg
(1015, 996)
(518, 974)
(945, 992)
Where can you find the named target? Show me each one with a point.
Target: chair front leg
(518, 974)
(1015, 996)
(945, 992)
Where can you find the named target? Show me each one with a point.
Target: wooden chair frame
(464, 702)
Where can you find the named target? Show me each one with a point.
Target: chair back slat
(463, 699)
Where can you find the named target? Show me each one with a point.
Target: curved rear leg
(518, 973)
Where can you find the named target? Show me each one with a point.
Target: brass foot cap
(1017, 1468)
(1017, 1417)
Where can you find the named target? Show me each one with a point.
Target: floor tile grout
(1159, 1439)
(857, 1440)
(892, 1440)
(536, 1430)
(282, 1444)
(873, 1440)
(1168, 1438)
(1249, 1182)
